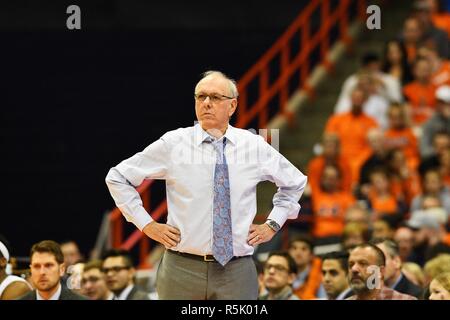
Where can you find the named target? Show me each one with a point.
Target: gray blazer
(136, 294)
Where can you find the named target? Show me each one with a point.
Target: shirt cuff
(279, 215)
(141, 218)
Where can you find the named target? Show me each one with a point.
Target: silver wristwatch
(273, 225)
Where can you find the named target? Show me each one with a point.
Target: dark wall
(75, 103)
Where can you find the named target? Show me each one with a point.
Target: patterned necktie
(222, 248)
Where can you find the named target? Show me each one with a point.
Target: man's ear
(233, 106)
(398, 262)
(62, 269)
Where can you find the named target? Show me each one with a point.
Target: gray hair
(231, 82)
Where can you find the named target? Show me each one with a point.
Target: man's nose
(207, 102)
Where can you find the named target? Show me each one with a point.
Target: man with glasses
(119, 271)
(211, 172)
(93, 283)
(280, 271)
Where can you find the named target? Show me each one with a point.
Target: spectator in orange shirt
(440, 68)
(440, 17)
(404, 180)
(421, 93)
(380, 198)
(330, 155)
(352, 128)
(329, 205)
(399, 135)
(308, 283)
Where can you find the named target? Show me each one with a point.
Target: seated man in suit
(335, 275)
(394, 277)
(119, 271)
(47, 268)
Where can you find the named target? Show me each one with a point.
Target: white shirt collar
(55, 296)
(201, 135)
(343, 294)
(125, 292)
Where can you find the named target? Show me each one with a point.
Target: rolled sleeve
(289, 180)
(123, 179)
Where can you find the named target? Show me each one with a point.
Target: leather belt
(204, 258)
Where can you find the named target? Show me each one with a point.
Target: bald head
(220, 76)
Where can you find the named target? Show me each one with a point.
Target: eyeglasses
(277, 267)
(115, 269)
(214, 97)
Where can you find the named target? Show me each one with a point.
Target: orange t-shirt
(405, 140)
(309, 289)
(442, 21)
(315, 170)
(329, 212)
(422, 99)
(387, 204)
(442, 76)
(407, 188)
(411, 52)
(352, 132)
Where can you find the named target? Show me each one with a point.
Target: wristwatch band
(273, 225)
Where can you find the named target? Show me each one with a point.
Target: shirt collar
(397, 281)
(55, 296)
(342, 295)
(201, 135)
(125, 292)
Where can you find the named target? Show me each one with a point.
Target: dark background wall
(75, 103)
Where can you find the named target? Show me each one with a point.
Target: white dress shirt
(187, 162)
(55, 296)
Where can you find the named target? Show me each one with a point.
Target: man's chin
(358, 286)
(46, 287)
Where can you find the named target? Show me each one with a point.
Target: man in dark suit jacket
(119, 271)
(335, 275)
(404, 285)
(47, 268)
(65, 294)
(394, 278)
